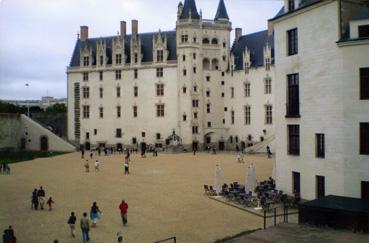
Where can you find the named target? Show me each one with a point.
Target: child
(97, 165)
(50, 203)
(87, 166)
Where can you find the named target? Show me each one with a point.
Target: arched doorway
(87, 146)
(44, 144)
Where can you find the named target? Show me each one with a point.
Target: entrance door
(221, 146)
(295, 182)
(119, 147)
(44, 145)
(87, 146)
(243, 146)
(365, 190)
(195, 145)
(320, 186)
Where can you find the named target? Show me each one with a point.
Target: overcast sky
(37, 37)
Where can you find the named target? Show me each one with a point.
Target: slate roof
(146, 47)
(189, 5)
(303, 4)
(221, 11)
(255, 42)
(363, 13)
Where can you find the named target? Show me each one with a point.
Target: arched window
(214, 41)
(214, 64)
(206, 64)
(205, 41)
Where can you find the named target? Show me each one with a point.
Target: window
(364, 138)
(136, 57)
(184, 38)
(184, 72)
(194, 70)
(135, 73)
(86, 61)
(208, 93)
(101, 93)
(101, 76)
(293, 139)
(208, 108)
(195, 115)
(159, 55)
(195, 130)
(184, 117)
(160, 89)
(365, 190)
(118, 74)
(209, 124)
(225, 109)
(87, 135)
(118, 92)
(320, 186)
(222, 94)
(134, 140)
(86, 111)
(195, 103)
(231, 139)
(183, 57)
(292, 42)
(268, 86)
(159, 72)
(247, 115)
(118, 133)
(194, 39)
(222, 83)
(205, 41)
(247, 90)
(320, 145)
(214, 41)
(86, 92)
(224, 45)
(118, 59)
(135, 111)
(95, 131)
(195, 88)
(119, 113)
(293, 99)
(364, 31)
(223, 121)
(160, 110)
(223, 73)
(184, 90)
(85, 76)
(232, 92)
(364, 83)
(101, 60)
(247, 67)
(135, 91)
(291, 5)
(236, 139)
(143, 134)
(194, 56)
(232, 117)
(208, 78)
(268, 114)
(158, 136)
(101, 112)
(267, 64)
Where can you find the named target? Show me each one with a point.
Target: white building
(139, 88)
(322, 98)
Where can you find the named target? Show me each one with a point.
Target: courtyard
(164, 193)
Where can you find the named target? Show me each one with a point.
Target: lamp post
(27, 85)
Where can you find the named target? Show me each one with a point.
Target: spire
(222, 11)
(189, 10)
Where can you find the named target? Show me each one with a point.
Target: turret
(221, 12)
(189, 10)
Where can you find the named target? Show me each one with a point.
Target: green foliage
(57, 108)
(9, 157)
(10, 108)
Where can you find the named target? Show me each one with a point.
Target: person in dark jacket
(72, 224)
(34, 199)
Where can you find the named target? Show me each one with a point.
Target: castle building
(128, 90)
(322, 98)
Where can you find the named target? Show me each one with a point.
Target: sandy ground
(165, 197)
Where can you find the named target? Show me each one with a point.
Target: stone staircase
(261, 146)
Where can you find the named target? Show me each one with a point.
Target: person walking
(85, 228)
(269, 152)
(82, 153)
(50, 203)
(87, 166)
(97, 165)
(41, 197)
(123, 212)
(94, 214)
(72, 224)
(8, 236)
(126, 166)
(34, 199)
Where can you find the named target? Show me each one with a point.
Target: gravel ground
(165, 197)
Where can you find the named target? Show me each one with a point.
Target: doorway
(221, 146)
(296, 182)
(365, 190)
(87, 146)
(320, 186)
(44, 145)
(195, 145)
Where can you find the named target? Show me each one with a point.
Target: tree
(57, 108)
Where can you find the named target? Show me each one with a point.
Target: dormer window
(159, 55)
(364, 31)
(267, 64)
(247, 68)
(101, 60)
(136, 58)
(86, 61)
(291, 5)
(184, 38)
(118, 59)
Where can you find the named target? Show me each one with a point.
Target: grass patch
(246, 232)
(10, 157)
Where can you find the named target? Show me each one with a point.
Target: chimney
(84, 33)
(123, 28)
(134, 27)
(270, 28)
(238, 33)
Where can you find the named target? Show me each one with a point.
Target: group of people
(4, 168)
(96, 166)
(38, 199)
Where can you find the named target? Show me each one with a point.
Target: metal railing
(171, 238)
